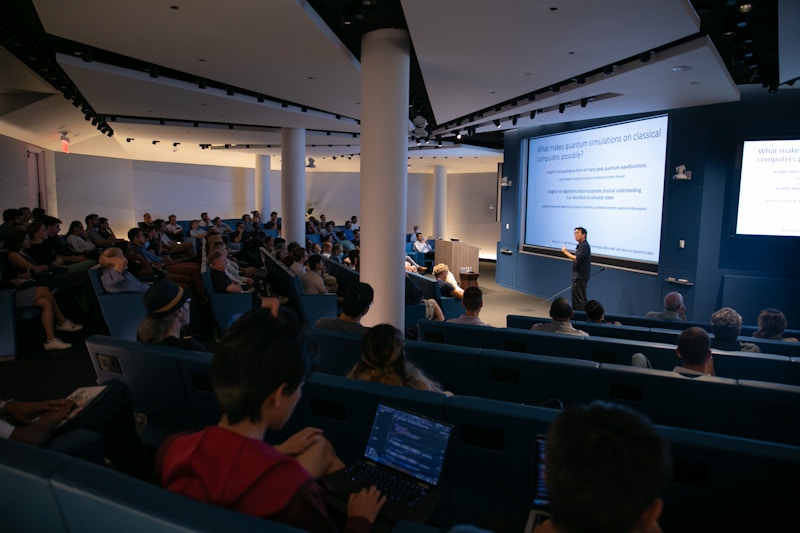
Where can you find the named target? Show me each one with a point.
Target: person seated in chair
(257, 373)
(115, 276)
(447, 282)
(605, 469)
(561, 313)
(355, 304)
(168, 312)
(726, 324)
(674, 310)
(473, 303)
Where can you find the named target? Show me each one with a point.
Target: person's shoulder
(653, 314)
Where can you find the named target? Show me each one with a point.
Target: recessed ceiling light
(681, 68)
(745, 8)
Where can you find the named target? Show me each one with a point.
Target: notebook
(540, 506)
(404, 458)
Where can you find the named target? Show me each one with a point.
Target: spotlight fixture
(644, 57)
(555, 88)
(260, 98)
(608, 70)
(584, 101)
(110, 133)
(94, 121)
(202, 83)
(514, 120)
(496, 122)
(532, 97)
(129, 139)
(438, 140)
(744, 7)
(498, 108)
(175, 144)
(230, 91)
(334, 158)
(304, 109)
(561, 107)
(580, 80)
(156, 142)
(533, 114)
(458, 134)
(153, 71)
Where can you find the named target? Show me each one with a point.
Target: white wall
(14, 174)
(469, 216)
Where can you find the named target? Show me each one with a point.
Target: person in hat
(167, 305)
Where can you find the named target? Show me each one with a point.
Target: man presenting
(581, 263)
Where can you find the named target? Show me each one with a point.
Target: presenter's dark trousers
(579, 294)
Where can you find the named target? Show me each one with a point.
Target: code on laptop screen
(407, 442)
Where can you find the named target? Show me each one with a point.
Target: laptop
(404, 458)
(540, 506)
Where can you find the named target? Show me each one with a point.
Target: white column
(384, 171)
(439, 201)
(293, 185)
(263, 201)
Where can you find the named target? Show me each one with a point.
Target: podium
(457, 255)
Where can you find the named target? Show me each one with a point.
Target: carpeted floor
(38, 375)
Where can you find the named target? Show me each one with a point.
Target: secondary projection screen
(769, 192)
(609, 180)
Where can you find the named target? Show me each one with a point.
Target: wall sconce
(682, 173)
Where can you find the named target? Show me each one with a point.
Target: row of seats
(753, 409)
(48, 491)
(488, 476)
(735, 365)
(651, 334)
(645, 322)
(122, 312)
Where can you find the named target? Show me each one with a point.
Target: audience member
(473, 303)
(605, 468)
(383, 360)
(298, 261)
(313, 282)
(115, 276)
(92, 228)
(223, 284)
(414, 295)
(104, 229)
(674, 309)
(356, 303)
(421, 245)
(168, 312)
(220, 225)
(726, 324)
(13, 219)
(354, 223)
(595, 312)
(195, 230)
(111, 414)
(694, 351)
(561, 313)
(771, 325)
(447, 282)
(205, 222)
(272, 223)
(172, 229)
(78, 239)
(257, 372)
(54, 247)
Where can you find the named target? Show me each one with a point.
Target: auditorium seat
(456, 368)
(122, 312)
(619, 352)
(225, 305)
(705, 403)
(195, 367)
(768, 411)
(451, 308)
(755, 366)
(457, 334)
(534, 379)
(27, 503)
(338, 351)
(491, 460)
(541, 342)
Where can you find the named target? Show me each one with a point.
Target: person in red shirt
(258, 372)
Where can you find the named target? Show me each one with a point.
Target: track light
(153, 71)
(555, 88)
(202, 83)
(561, 107)
(532, 97)
(438, 140)
(458, 134)
(496, 122)
(514, 120)
(129, 139)
(533, 114)
(174, 145)
(608, 70)
(230, 91)
(284, 104)
(645, 57)
(260, 98)
(580, 80)
(94, 121)
(156, 142)
(584, 101)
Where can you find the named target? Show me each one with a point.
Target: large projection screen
(769, 191)
(609, 180)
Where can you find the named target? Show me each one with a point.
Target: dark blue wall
(748, 274)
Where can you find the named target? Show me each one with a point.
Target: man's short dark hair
(604, 464)
(10, 214)
(102, 220)
(298, 253)
(594, 310)
(133, 233)
(49, 221)
(357, 299)
(561, 309)
(693, 344)
(90, 217)
(581, 229)
(473, 298)
(313, 261)
(254, 358)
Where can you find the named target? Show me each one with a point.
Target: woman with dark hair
(771, 325)
(18, 245)
(383, 360)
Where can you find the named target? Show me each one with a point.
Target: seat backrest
(705, 403)
(773, 346)
(535, 379)
(754, 366)
(225, 305)
(454, 367)
(723, 483)
(122, 312)
(344, 276)
(768, 411)
(458, 334)
(155, 380)
(541, 343)
(28, 503)
(620, 351)
(94, 498)
(195, 367)
(490, 463)
(338, 351)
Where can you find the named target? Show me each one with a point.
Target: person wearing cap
(167, 306)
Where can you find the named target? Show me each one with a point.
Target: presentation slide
(769, 194)
(609, 180)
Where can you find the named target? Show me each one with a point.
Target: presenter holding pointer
(581, 263)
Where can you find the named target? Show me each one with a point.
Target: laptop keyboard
(395, 488)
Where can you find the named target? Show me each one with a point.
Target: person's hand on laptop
(300, 441)
(366, 503)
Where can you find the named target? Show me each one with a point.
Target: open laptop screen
(407, 442)
(540, 497)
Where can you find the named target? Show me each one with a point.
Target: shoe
(57, 344)
(68, 325)
(140, 420)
